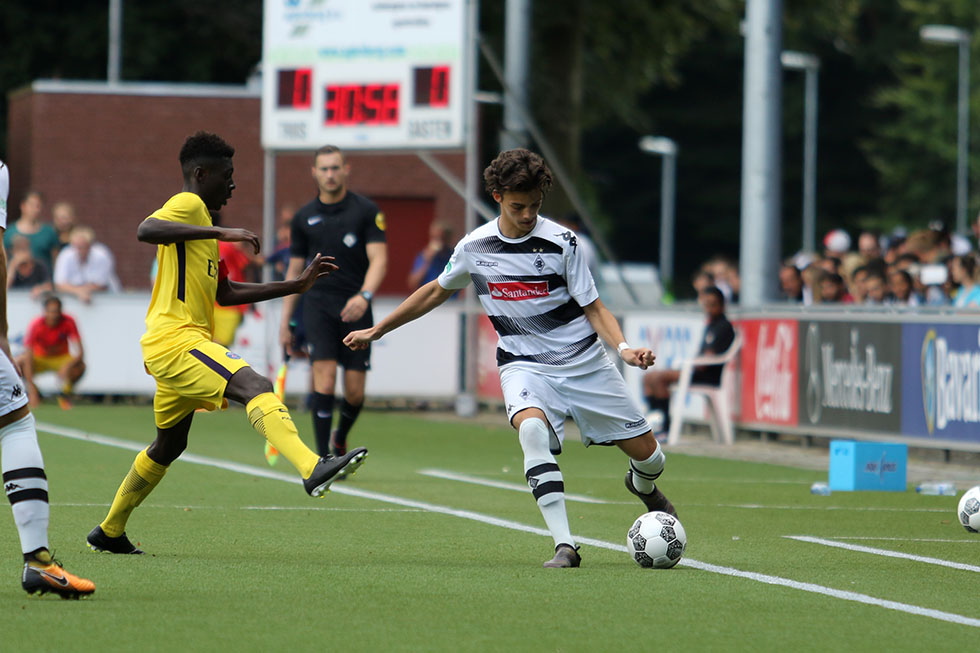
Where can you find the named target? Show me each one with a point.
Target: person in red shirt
(53, 345)
(227, 319)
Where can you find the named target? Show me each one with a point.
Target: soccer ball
(969, 509)
(656, 540)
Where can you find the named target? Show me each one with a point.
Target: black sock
(663, 405)
(348, 414)
(322, 421)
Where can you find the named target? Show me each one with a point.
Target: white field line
(884, 552)
(503, 485)
(61, 504)
(907, 539)
(504, 523)
(760, 506)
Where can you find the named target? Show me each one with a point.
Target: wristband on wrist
(621, 347)
(367, 294)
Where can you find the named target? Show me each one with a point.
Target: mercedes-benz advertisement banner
(941, 388)
(850, 375)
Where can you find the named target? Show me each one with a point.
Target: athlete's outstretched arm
(418, 304)
(607, 327)
(165, 232)
(232, 293)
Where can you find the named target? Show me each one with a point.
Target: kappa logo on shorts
(232, 355)
(633, 425)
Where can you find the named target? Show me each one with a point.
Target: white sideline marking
(503, 485)
(884, 552)
(759, 506)
(907, 539)
(504, 523)
(60, 504)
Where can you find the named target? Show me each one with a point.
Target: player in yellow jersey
(191, 371)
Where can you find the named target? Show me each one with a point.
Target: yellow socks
(270, 418)
(143, 476)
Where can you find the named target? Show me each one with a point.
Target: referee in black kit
(349, 227)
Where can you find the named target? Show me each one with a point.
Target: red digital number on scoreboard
(361, 104)
(294, 88)
(432, 87)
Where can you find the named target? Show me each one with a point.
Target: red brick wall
(114, 156)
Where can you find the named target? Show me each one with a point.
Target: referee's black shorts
(325, 331)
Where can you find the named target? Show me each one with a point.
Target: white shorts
(12, 394)
(597, 401)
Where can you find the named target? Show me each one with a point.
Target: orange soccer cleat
(40, 579)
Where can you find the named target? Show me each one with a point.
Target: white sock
(544, 478)
(25, 483)
(645, 472)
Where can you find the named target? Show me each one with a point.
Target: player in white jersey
(24, 481)
(540, 296)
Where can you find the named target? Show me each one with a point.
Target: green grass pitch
(242, 562)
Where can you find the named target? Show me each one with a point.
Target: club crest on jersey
(538, 263)
(350, 239)
(515, 291)
(232, 355)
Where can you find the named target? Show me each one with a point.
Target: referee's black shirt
(340, 230)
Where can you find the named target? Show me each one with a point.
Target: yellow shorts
(50, 363)
(227, 319)
(189, 376)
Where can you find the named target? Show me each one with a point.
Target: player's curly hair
(518, 170)
(203, 147)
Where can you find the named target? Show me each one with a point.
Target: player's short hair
(517, 170)
(203, 148)
(713, 291)
(329, 149)
(50, 298)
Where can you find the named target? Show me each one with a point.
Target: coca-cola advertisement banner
(769, 371)
(850, 375)
(941, 388)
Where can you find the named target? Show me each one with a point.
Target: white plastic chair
(722, 428)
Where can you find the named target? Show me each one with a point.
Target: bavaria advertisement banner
(769, 371)
(941, 388)
(850, 375)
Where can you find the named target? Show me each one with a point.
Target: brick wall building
(111, 150)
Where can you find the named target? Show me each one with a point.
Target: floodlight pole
(810, 65)
(666, 148)
(466, 400)
(950, 35)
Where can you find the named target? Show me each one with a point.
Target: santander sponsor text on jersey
(515, 291)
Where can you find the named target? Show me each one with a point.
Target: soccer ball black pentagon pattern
(656, 540)
(968, 510)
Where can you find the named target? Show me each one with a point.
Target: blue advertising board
(941, 381)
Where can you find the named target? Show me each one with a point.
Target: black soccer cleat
(566, 556)
(40, 578)
(333, 468)
(102, 543)
(655, 501)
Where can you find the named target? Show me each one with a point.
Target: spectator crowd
(926, 267)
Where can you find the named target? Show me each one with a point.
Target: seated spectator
(836, 243)
(791, 282)
(718, 337)
(857, 287)
(833, 291)
(869, 245)
(901, 288)
(874, 287)
(725, 273)
(53, 345)
(964, 272)
(26, 272)
(42, 236)
(701, 280)
(63, 217)
(85, 266)
(431, 260)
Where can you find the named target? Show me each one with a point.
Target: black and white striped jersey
(533, 290)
